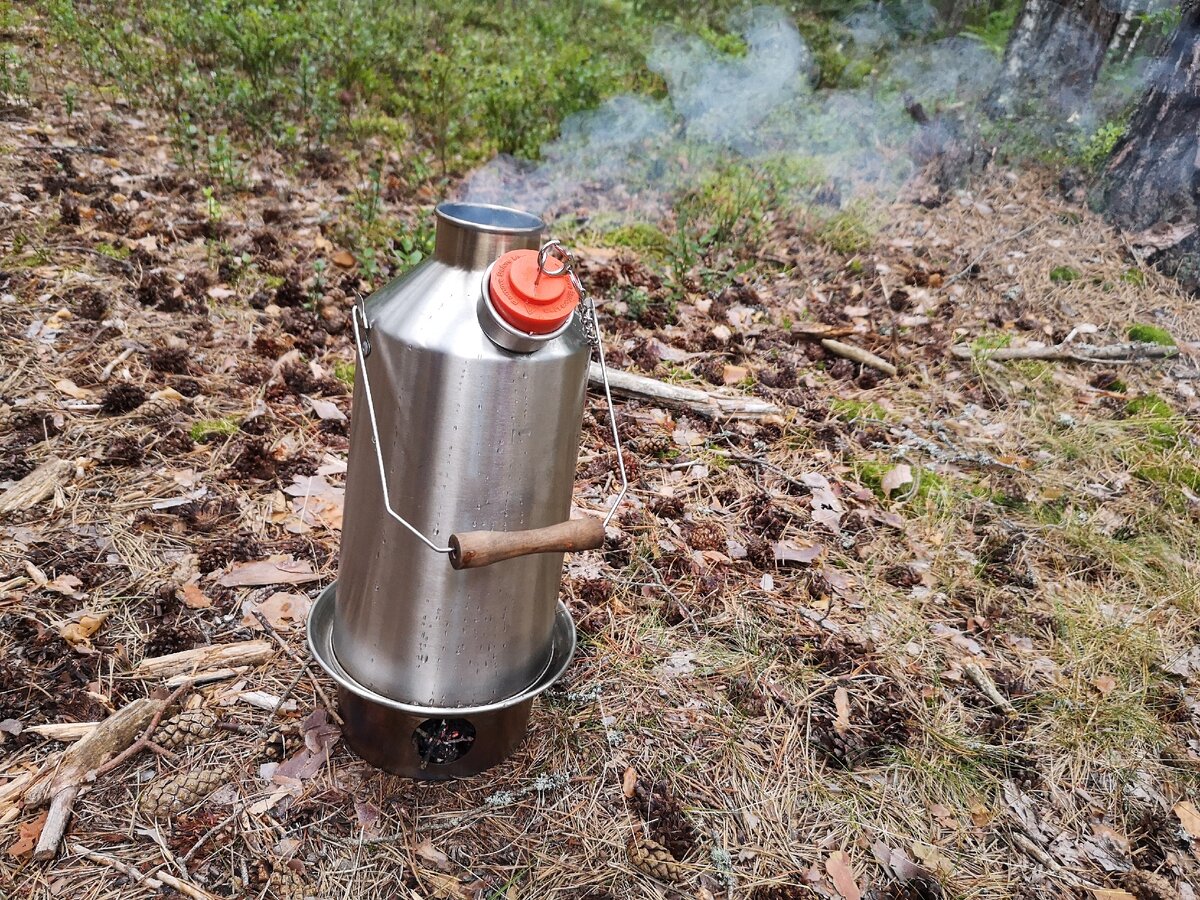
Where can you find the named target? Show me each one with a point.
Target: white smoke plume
(631, 156)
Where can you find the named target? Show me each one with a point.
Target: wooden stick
(1128, 352)
(476, 549)
(106, 373)
(858, 355)
(988, 688)
(63, 731)
(220, 656)
(36, 486)
(154, 882)
(720, 406)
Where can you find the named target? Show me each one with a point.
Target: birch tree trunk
(1055, 52)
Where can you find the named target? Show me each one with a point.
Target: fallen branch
(1129, 352)
(74, 765)
(859, 355)
(195, 662)
(36, 486)
(721, 406)
(63, 731)
(153, 882)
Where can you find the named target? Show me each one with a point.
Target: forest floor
(925, 635)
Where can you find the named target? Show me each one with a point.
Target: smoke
(634, 154)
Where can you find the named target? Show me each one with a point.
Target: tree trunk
(1055, 52)
(1153, 176)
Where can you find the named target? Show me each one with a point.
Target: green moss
(853, 410)
(1182, 475)
(111, 251)
(207, 429)
(991, 340)
(343, 371)
(639, 236)
(1063, 274)
(1151, 334)
(1134, 276)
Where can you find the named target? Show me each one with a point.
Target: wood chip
(36, 486)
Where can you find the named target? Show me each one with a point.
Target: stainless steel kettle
(444, 622)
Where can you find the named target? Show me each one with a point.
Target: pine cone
(180, 791)
(669, 824)
(1147, 885)
(190, 727)
(655, 860)
(707, 535)
(285, 883)
(156, 410)
(656, 444)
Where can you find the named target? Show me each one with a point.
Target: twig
(639, 387)
(143, 742)
(207, 836)
(106, 373)
(859, 355)
(988, 688)
(329, 707)
(1128, 352)
(154, 882)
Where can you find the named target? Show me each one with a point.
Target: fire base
(431, 743)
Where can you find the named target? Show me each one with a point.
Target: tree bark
(1055, 52)
(1153, 176)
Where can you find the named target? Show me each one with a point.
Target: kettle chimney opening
(473, 235)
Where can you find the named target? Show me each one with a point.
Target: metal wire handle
(591, 327)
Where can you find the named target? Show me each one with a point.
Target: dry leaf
(896, 478)
(797, 551)
(837, 867)
(827, 508)
(1104, 684)
(67, 585)
(734, 374)
(432, 855)
(77, 633)
(344, 259)
(27, 836)
(71, 389)
(326, 409)
(274, 570)
(193, 597)
(841, 703)
(1189, 818)
(1108, 894)
(629, 781)
(279, 609)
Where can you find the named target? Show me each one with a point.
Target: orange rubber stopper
(525, 301)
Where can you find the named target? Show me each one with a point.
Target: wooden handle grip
(474, 549)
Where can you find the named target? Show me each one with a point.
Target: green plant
(1063, 274)
(993, 31)
(1098, 146)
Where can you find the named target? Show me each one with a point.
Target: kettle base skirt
(431, 743)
